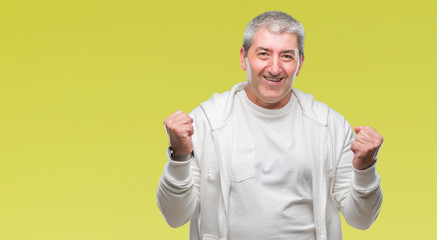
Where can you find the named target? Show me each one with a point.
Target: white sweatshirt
(198, 190)
(276, 201)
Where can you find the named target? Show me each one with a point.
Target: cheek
(291, 69)
(257, 66)
(252, 73)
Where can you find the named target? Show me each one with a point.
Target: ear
(300, 65)
(242, 59)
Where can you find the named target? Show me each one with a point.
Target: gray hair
(274, 22)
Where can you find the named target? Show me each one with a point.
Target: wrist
(367, 178)
(178, 156)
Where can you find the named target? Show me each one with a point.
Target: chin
(274, 97)
(271, 100)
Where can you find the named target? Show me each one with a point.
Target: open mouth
(272, 79)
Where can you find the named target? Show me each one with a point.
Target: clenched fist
(365, 147)
(179, 127)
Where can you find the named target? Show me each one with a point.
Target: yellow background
(85, 86)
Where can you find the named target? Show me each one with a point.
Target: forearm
(363, 201)
(177, 193)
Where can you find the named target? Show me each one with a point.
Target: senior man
(265, 160)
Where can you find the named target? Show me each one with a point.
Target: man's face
(271, 65)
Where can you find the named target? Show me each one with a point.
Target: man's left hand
(365, 147)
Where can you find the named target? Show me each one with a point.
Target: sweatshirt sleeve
(357, 192)
(177, 195)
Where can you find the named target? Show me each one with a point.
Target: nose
(274, 67)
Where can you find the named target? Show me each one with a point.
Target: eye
(287, 58)
(263, 55)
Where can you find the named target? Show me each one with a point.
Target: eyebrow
(289, 51)
(262, 49)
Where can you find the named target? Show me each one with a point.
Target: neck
(268, 104)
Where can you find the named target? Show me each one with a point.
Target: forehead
(274, 41)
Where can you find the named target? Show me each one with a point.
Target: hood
(315, 110)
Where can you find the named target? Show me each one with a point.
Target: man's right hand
(179, 128)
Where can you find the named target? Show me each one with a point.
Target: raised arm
(357, 184)
(178, 188)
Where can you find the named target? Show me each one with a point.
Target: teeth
(273, 79)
